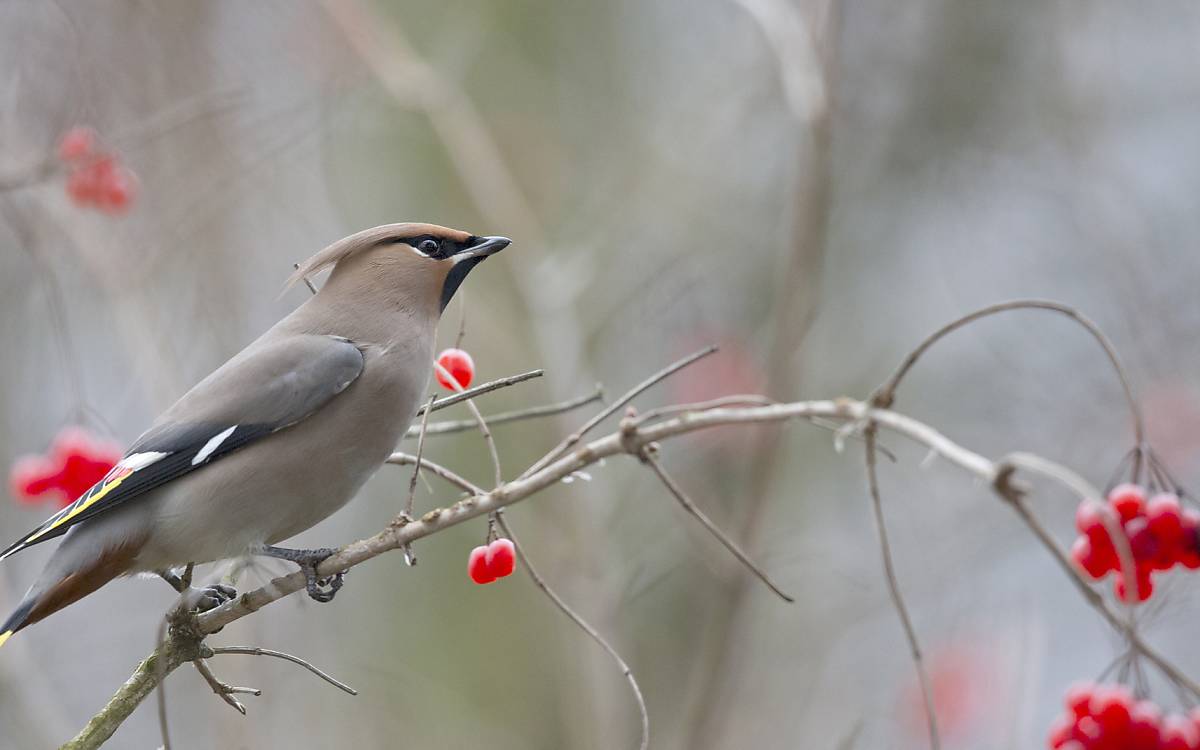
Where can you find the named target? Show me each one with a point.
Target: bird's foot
(319, 589)
(205, 598)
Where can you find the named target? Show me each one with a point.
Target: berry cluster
(97, 179)
(459, 365)
(495, 560)
(1159, 532)
(75, 462)
(1108, 717)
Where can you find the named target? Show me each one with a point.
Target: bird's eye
(429, 247)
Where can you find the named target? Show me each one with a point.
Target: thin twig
(673, 487)
(893, 585)
(884, 396)
(742, 399)
(479, 390)
(409, 557)
(479, 420)
(407, 459)
(548, 410)
(583, 625)
(160, 694)
(223, 691)
(612, 408)
(252, 651)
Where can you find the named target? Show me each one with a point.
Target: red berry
(1145, 587)
(1128, 500)
(1061, 732)
(1177, 733)
(82, 186)
(1088, 732)
(1110, 708)
(1085, 557)
(477, 566)
(1143, 543)
(1078, 699)
(459, 365)
(31, 477)
(1189, 545)
(1165, 516)
(501, 557)
(77, 143)
(117, 191)
(1144, 725)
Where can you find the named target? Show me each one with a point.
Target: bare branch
(405, 459)
(612, 408)
(479, 390)
(884, 396)
(893, 585)
(252, 651)
(650, 460)
(583, 625)
(549, 410)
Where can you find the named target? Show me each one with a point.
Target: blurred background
(811, 186)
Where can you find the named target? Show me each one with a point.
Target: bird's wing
(269, 386)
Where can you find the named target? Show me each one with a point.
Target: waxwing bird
(277, 438)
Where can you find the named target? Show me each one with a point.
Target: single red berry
(1177, 733)
(1189, 545)
(459, 365)
(1089, 520)
(1110, 708)
(1165, 515)
(477, 566)
(1085, 557)
(77, 143)
(82, 186)
(117, 191)
(1078, 699)
(1145, 587)
(1145, 721)
(1128, 500)
(31, 477)
(1061, 732)
(501, 558)
(1088, 732)
(1143, 542)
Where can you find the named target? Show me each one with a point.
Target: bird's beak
(484, 247)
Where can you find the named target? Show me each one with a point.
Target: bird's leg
(320, 589)
(198, 599)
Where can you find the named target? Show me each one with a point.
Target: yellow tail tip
(5, 636)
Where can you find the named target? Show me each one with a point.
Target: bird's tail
(56, 589)
(17, 619)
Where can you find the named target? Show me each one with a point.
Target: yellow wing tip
(5, 636)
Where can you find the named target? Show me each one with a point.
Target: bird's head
(415, 264)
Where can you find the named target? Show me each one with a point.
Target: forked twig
(254, 651)
(612, 408)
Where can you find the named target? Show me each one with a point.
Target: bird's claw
(319, 589)
(209, 597)
(322, 589)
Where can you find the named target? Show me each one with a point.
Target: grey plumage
(280, 436)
